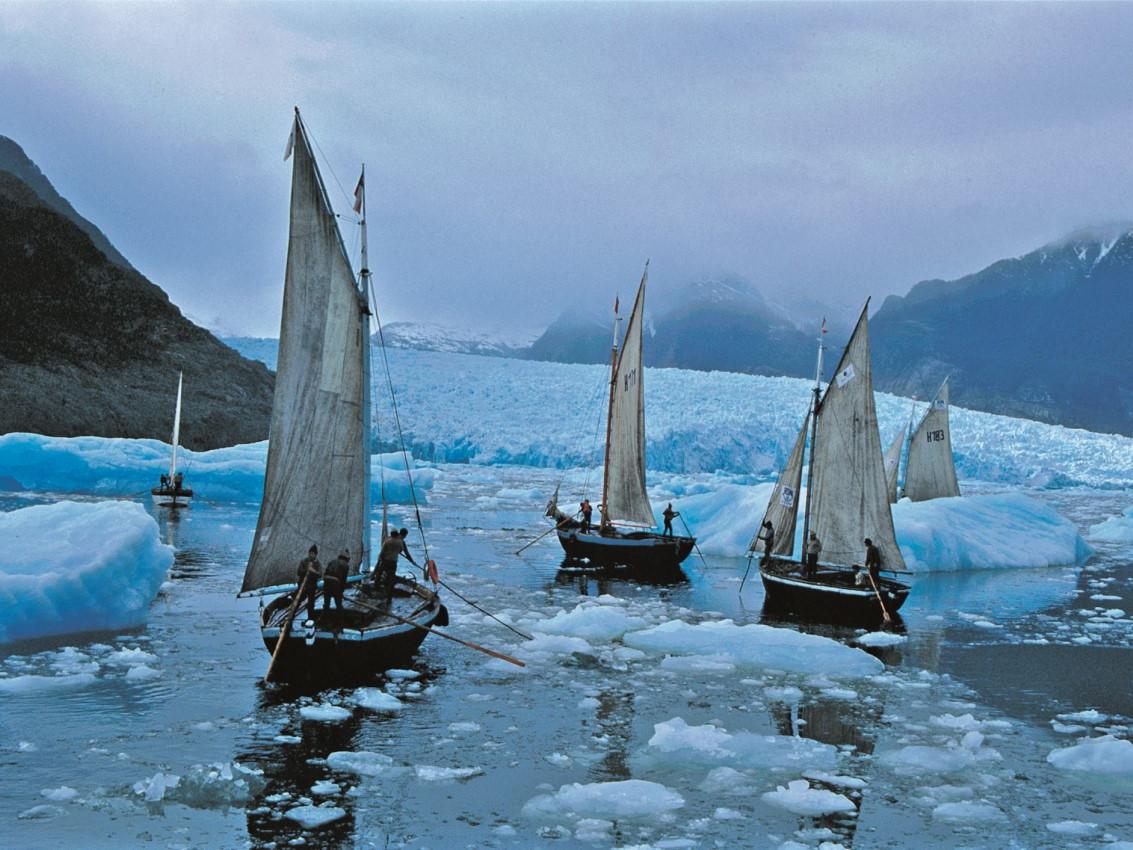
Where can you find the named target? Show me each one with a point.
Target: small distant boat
(625, 534)
(317, 483)
(846, 502)
(930, 470)
(172, 492)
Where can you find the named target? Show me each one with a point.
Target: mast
(815, 404)
(604, 521)
(367, 430)
(176, 430)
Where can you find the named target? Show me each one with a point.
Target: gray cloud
(521, 157)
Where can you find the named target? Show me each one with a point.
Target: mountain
(1043, 336)
(712, 324)
(89, 346)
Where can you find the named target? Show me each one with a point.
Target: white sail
(316, 484)
(931, 472)
(626, 497)
(892, 462)
(176, 430)
(783, 509)
(850, 500)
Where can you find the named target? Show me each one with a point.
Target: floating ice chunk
(880, 639)
(967, 723)
(396, 675)
(325, 788)
(361, 762)
(985, 532)
(727, 780)
(755, 646)
(312, 817)
(430, 773)
(921, 758)
(130, 657)
(376, 700)
(697, 664)
(29, 684)
(59, 795)
(463, 727)
(1116, 529)
(588, 703)
(593, 621)
(967, 811)
(544, 647)
(840, 693)
(216, 785)
(786, 693)
(799, 798)
(325, 712)
(558, 759)
(287, 739)
(141, 673)
(593, 829)
(74, 567)
(708, 744)
(1072, 827)
(1106, 755)
(153, 790)
(837, 780)
(723, 813)
(629, 798)
(1090, 715)
(44, 811)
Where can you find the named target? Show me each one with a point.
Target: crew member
(311, 570)
(873, 562)
(813, 548)
(668, 514)
(334, 582)
(767, 535)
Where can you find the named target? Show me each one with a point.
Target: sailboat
(930, 472)
(894, 452)
(625, 533)
(171, 489)
(846, 501)
(317, 483)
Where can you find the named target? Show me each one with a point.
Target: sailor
(334, 582)
(668, 514)
(813, 548)
(165, 481)
(767, 535)
(311, 570)
(587, 512)
(386, 571)
(177, 479)
(873, 562)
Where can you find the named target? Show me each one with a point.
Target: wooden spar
(813, 438)
(286, 626)
(604, 522)
(556, 527)
(694, 546)
(436, 631)
(884, 611)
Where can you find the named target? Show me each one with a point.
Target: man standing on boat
(386, 572)
(668, 514)
(813, 549)
(767, 535)
(334, 582)
(587, 512)
(311, 570)
(873, 561)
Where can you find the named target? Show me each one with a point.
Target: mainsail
(176, 430)
(930, 472)
(317, 485)
(850, 501)
(783, 509)
(625, 494)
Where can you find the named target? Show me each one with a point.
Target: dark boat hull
(830, 596)
(168, 497)
(641, 549)
(322, 653)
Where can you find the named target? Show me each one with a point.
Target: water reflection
(614, 718)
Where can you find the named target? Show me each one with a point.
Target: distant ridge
(88, 346)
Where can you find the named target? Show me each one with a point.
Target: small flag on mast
(290, 144)
(359, 193)
(617, 301)
(824, 326)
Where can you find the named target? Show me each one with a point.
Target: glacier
(114, 466)
(76, 567)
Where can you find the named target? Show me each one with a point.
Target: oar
(884, 613)
(437, 631)
(286, 626)
(556, 527)
(751, 555)
(688, 531)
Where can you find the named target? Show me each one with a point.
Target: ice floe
(312, 817)
(361, 762)
(74, 567)
(628, 798)
(1104, 755)
(674, 741)
(799, 798)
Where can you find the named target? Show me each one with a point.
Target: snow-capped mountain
(1044, 335)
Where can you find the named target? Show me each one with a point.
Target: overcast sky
(525, 157)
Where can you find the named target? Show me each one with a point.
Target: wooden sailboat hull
(367, 642)
(643, 549)
(830, 596)
(167, 497)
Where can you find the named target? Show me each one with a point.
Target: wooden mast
(605, 519)
(813, 436)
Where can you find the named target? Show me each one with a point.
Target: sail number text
(936, 436)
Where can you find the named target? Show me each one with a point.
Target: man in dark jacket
(587, 512)
(311, 570)
(873, 562)
(668, 514)
(767, 535)
(386, 571)
(334, 582)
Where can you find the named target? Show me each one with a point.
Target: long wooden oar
(437, 631)
(484, 611)
(884, 613)
(556, 527)
(750, 557)
(285, 627)
(703, 562)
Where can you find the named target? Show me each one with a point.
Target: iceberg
(1116, 529)
(76, 567)
(111, 466)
